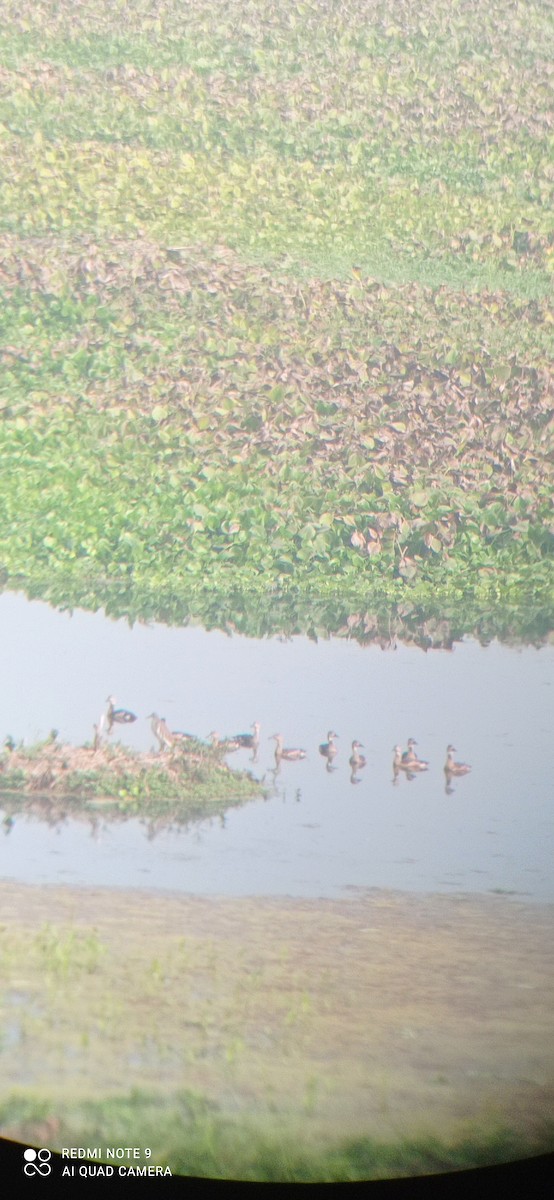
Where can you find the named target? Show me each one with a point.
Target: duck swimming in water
(328, 748)
(410, 758)
(410, 766)
(289, 753)
(416, 764)
(356, 759)
(454, 768)
(248, 741)
(410, 753)
(397, 760)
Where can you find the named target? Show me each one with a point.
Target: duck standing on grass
(289, 753)
(119, 716)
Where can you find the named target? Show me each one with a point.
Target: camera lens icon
(37, 1162)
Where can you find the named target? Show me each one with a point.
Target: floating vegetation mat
(276, 294)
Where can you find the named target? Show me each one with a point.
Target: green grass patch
(194, 1138)
(274, 1038)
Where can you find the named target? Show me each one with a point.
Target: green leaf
(419, 498)
(160, 412)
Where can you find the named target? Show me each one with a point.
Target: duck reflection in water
(328, 750)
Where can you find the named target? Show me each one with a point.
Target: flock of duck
(407, 760)
(404, 760)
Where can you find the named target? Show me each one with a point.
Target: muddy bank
(381, 1013)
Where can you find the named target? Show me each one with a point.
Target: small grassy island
(57, 778)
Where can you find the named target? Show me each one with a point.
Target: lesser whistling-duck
(397, 760)
(290, 753)
(356, 759)
(411, 760)
(248, 741)
(119, 716)
(328, 748)
(410, 753)
(416, 764)
(454, 768)
(410, 765)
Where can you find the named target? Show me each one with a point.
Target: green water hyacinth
(276, 304)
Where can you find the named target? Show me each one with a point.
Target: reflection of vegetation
(57, 781)
(433, 624)
(275, 303)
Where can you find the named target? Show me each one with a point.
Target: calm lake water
(318, 833)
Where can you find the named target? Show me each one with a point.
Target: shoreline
(350, 893)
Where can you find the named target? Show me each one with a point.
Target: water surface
(318, 834)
